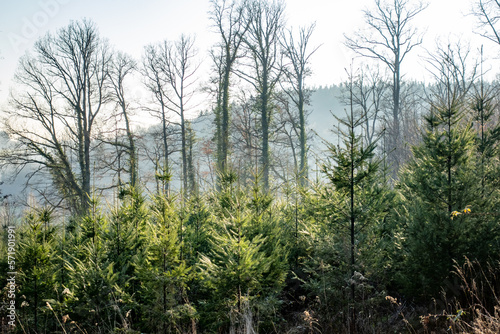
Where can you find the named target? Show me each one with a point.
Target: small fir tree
(36, 261)
(352, 206)
(163, 273)
(247, 264)
(441, 178)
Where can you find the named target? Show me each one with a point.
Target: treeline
(397, 230)
(72, 119)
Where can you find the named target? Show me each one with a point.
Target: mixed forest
(244, 218)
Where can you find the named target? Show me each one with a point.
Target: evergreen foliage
(351, 207)
(246, 265)
(36, 255)
(441, 178)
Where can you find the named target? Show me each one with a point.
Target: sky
(129, 25)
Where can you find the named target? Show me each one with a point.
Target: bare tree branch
(389, 39)
(63, 89)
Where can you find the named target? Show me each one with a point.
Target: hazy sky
(130, 25)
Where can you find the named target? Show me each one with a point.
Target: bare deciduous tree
(262, 42)
(53, 115)
(299, 55)
(169, 69)
(155, 83)
(244, 136)
(286, 141)
(454, 73)
(389, 39)
(122, 66)
(179, 70)
(228, 20)
(488, 15)
(367, 91)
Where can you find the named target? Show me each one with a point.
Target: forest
(255, 210)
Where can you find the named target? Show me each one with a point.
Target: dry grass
(481, 290)
(477, 309)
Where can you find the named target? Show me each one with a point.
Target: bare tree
(228, 20)
(413, 106)
(155, 83)
(63, 90)
(245, 138)
(191, 170)
(454, 73)
(390, 39)
(299, 55)
(366, 90)
(286, 141)
(179, 70)
(488, 15)
(122, 66)
(262, 41)
(169, 69)
(151, 150)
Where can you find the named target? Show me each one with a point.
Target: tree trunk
(184, 152)
(302, 139)
(86, 174)
(395, 115)
(265, 137)
(165, 148)
(225, 116)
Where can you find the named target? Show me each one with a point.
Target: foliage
(352, 208)
(247, 263)
(442, 178)
(36, 264)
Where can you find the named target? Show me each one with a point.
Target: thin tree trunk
(302, 139)
(265, 133)
(225, 117)
(353, 220)
(165, 148)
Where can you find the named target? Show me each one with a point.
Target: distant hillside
(325, 102)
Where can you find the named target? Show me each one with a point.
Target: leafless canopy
(53, 115)
(229, 22)
(390, 36)
(454, 73)
(170, 69)
(298, 54)
(122, 66)
(389, 39)
(367, 92)
(488, 15)
(263, 71)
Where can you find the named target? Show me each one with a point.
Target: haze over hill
(325, 103)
